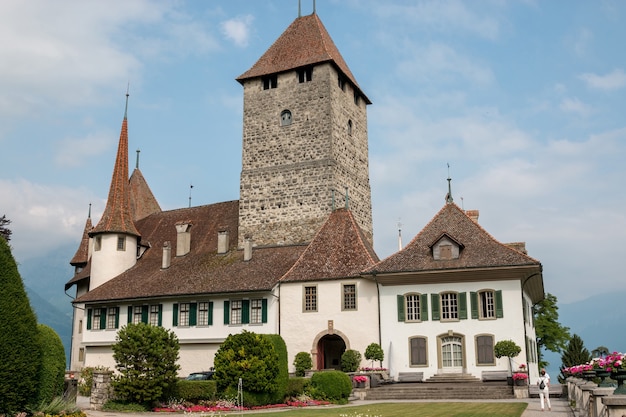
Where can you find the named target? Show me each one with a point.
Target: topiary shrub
(333, 386)
(303, 363)
(350, 360)
(195, 391)
(282, 379)
(374, 352)
(52, 372)
(506, 348)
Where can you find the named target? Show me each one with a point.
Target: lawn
(425, 409)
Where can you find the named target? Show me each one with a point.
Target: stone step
(439, 391)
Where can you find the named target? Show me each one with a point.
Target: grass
(448, 409)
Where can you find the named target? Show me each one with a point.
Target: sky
(521, 103)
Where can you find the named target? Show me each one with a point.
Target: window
(487, 303)
(445, 252)
(80, 326)
(203, 314)
(96, 322)
(137, 314)
(81, 354)
(341, 81)
(121, 243)
(310, 298)
(256, 311)
(305, 74)
(449, 306)
(349, 297)
(418, 351)
(357, 97)
(285, 118)
(97, 244)
(235, 312)
(183, 314)
(349, 127)
(112, 318)
(412, 307)
(270, 81)
(484, 350)
(155, 315)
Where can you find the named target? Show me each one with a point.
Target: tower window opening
(341, 82)
(271, 81)
(285, 118)
(305, 74)
(350, 127)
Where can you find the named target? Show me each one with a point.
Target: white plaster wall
(108, 262)
(395, 335)
(300, 329)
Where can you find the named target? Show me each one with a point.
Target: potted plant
(360, 381)
(520, 378)
(509, 349)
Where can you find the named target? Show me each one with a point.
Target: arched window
(285, 118)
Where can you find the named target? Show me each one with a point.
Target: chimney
(183, 238)
(472, 214)
(247, 249)
(518, 246)
(222, 242)
(167, 255)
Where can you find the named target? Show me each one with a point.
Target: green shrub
(303, 363)
(331, 385)
(350, 360)
(145, 357)
(19, 347)
(374, 352)
(127, 407)
(86, 379)
(282, 379)
(297, 386)
(52, 371)
(195, 391)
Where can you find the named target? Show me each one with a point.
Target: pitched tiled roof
(142, 201)
(84, 273)
(82, 253)
(338, 250)
(480, 249)
(117, 216)
(202, 270)
(304, 42)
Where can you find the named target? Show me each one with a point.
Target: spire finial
(332, 198)
(399, 235)
(299, 8)
(89, 215)
(313, 7)
(126, 109)
(137, 162)
(190, 188)
(449, 198)
(347, 199)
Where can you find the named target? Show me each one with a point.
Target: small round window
(285, 118)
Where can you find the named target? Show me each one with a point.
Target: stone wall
(101, 389)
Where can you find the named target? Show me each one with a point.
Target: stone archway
(327, 350)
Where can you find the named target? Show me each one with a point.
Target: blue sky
(524, 99)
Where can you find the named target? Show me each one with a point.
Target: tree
(5, 232)
(373, 352)
(506, 348)
(575, 354)
(551, 335)
(19, 344)
(145, 357)
(350, 360)
(52, 372)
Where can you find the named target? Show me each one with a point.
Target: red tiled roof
(202, 270)
(338, 250)
(480, 249)
(85, 273)
(142, 200)
(82, 253)
(117, 216)
(305, 42)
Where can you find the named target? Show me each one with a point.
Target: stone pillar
(596, 407)
(615, 405)
(586, 392)
(101, 389)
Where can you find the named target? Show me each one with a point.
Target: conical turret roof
(81, 257)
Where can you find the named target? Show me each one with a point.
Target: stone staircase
(441, 389)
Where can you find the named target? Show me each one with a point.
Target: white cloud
(608, 82)
(74, 152)
(582, 41)
(238, 29)
(574, 105)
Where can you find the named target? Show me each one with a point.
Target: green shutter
(193, 313)
(117, 317)
(129, 319)
(245, 311)
(103, 318)
(226, 312)
(175, 315)
(264, 310)
(210, 313)
(463, 306)
(434, 300)
(474, 304)
(144, 314)
(89, 312)
(401, 316)
(160, 319)
(424, 307)
(499, 307)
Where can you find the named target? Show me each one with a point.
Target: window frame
(269, 82)
(413, 314)
(353, 295)
(121, 243)
(449, 308)
(305, 74)
(309, 299)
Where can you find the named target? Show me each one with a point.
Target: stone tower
(304, 139)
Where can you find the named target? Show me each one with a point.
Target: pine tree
(575, 354)
(19, 344)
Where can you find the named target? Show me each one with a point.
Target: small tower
(304, 137)
(115, 238)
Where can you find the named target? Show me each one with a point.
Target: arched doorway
(329, 350)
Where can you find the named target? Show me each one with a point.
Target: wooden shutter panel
(264, 310)
(210, 313)
(499, 306)
(424, 307)
(175, 315)
(103, 318)
(144, 314)
(129, 319)
(401, 316)
(245, 311)
(474, 304)
(160, 318)
(117, 317)
(193, 313)
(226, 312)
(463, 306)
(89, 313)
(485, 350)
(434, 301)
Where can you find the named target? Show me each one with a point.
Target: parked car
(200, 376)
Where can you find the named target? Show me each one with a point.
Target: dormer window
(446, 248)
(270, 81)
(305, 74)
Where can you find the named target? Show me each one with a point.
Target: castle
(294, 255)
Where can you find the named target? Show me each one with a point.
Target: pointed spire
(449, 198)
(81, 257)
(117, 217)
(137, 161)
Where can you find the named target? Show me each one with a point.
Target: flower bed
(229, 406)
